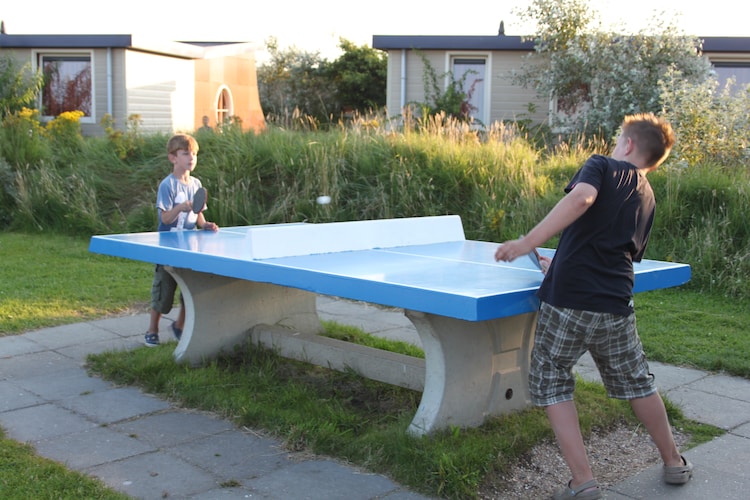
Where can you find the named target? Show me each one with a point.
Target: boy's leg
(153, 324)
(180, 321)
(557, 348)
(564, 420)
(652, 414)
(162, 294)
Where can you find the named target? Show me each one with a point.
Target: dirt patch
(615, 455)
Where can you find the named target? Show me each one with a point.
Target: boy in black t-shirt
(587, 296)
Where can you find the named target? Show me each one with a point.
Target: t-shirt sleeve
(164, 197)
(591, 172)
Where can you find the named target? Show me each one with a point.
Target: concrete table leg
(473, 369)
(220, 311)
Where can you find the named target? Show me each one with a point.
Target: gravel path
(615, 456)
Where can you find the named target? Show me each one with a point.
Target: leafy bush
(23, 139)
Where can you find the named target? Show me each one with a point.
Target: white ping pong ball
(323, 200)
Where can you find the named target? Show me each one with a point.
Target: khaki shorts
(162, 290)
(564, 335)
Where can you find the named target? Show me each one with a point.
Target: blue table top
(456, 278)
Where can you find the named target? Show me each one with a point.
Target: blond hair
(182, 141)
(653, 136)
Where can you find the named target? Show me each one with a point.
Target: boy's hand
(210, 226)
(545, 263)
(511, 250)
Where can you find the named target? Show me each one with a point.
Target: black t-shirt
(593, 267)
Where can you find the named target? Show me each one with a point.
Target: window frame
(727, 67)
(223, 114)
(38, 58)
(483, 113)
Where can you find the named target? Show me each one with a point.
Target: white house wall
(507, 101)
(161, 90)
(510, 102)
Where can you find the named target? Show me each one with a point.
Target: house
(170, 86)
(491, 61)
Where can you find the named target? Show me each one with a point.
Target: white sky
(317, 25)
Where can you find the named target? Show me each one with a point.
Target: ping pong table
(475, 317)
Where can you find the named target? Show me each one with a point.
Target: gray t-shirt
(173, 192)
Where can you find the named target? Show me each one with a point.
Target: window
(739, 71)
(224, 106)
(67, 83)
(472, 72)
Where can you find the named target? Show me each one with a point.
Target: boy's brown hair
(653, 136)
(182, 141)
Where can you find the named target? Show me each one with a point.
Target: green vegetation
(600, 76)
(497, 181)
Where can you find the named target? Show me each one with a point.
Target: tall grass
(496, 180)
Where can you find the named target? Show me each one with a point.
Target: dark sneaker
(152, 339)
(177, 332)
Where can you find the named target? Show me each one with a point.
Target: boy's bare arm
(567, 210)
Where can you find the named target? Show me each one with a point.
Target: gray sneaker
(678, 474)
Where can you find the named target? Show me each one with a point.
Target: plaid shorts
(564, 335)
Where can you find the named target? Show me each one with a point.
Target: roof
(473, 42)
(504, 42)
(187, 50)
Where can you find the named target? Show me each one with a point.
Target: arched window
(224, 105)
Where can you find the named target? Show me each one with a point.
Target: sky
(317, 26)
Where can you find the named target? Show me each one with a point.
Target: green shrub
(23, 140)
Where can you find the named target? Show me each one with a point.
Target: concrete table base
(474, 369)
(471, 369)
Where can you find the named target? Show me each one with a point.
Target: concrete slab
(35, 364)
(742, 431)
(96, 446)
(724, 385)
(67, 383)
(321, 479)
(720, 474)
(16, 345)
(670, 377)
(153, 476)
(170, 428)
(13, 396)
(114, 405)
(67, 335)
(42, 422)
(234, 456)
(719, 411)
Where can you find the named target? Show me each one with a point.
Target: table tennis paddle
(534, 256)
(199, 200)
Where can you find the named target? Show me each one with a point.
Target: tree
(294, 80)
(359, 76)
(19, 86)
(596, 76)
